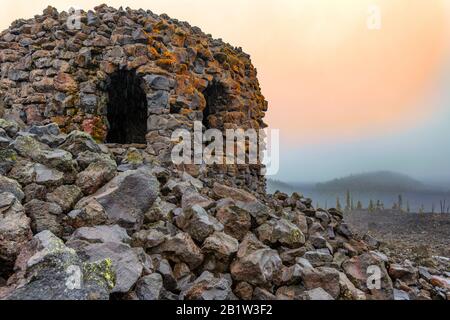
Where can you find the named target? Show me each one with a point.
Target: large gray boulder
(244, 200)
(44, 216)
(10, 127)
(325, 278)
(198, 223)
(317, 294)
(255, 263)
(4, 139)
(150, 288)
(48, 134)
(208, 287)
(109, 242)
(7, 159)
(125, 262)
(99, 234)
(52, 271)
(23, 172)
(219, 249)
(128, 197)
(365, 270)
(407, 273)
(47, 176)
(28, 147)
(319, 258)
(191, 198)
(96, 175)
(78, 141)
(65, 196)
(87, 213)
(14, 229)
(236, 221)
(181, 248)
(11, 186)
(281, 231)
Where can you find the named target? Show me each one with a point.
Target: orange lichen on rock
(153, 52)
(59, 120)
(184, 85)
(181, 68)
(161, 26)
(96, 128)
(204, 53)
(179, 37)
(167, 62)
(185, 111)
(235, 117)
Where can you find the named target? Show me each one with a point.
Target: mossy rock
(100, 272)
(10, 127)
(7, 159)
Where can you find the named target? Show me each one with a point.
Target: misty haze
(383, 187)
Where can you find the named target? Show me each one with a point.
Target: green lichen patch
(133, 156)
(8, 155)
(100, 272)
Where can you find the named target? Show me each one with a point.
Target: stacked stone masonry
(129, 65)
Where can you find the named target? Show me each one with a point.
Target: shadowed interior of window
(217, 100)
(127, 109)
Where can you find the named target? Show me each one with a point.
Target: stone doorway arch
(217, 100)
(126, 108)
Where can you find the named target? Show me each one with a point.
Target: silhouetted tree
(422, 209)
(359, 206)
(379, 205)
(371, 206)
(338, 204)
(400, 202)
(347, 201)
(444, 207)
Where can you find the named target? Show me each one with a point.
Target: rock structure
(128, 76)
(85, 219)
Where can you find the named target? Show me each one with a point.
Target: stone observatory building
(128, 77)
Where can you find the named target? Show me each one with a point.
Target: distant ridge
(384, 181)
(276, 185)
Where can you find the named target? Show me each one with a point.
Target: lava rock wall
(52, 72)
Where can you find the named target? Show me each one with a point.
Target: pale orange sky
(322, 70)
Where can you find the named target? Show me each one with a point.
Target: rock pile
(77, 221)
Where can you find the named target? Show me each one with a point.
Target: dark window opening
(216, 100)
(6, 271)
(127, 109)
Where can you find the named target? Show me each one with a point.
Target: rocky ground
(418, 237)
(81, 220)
